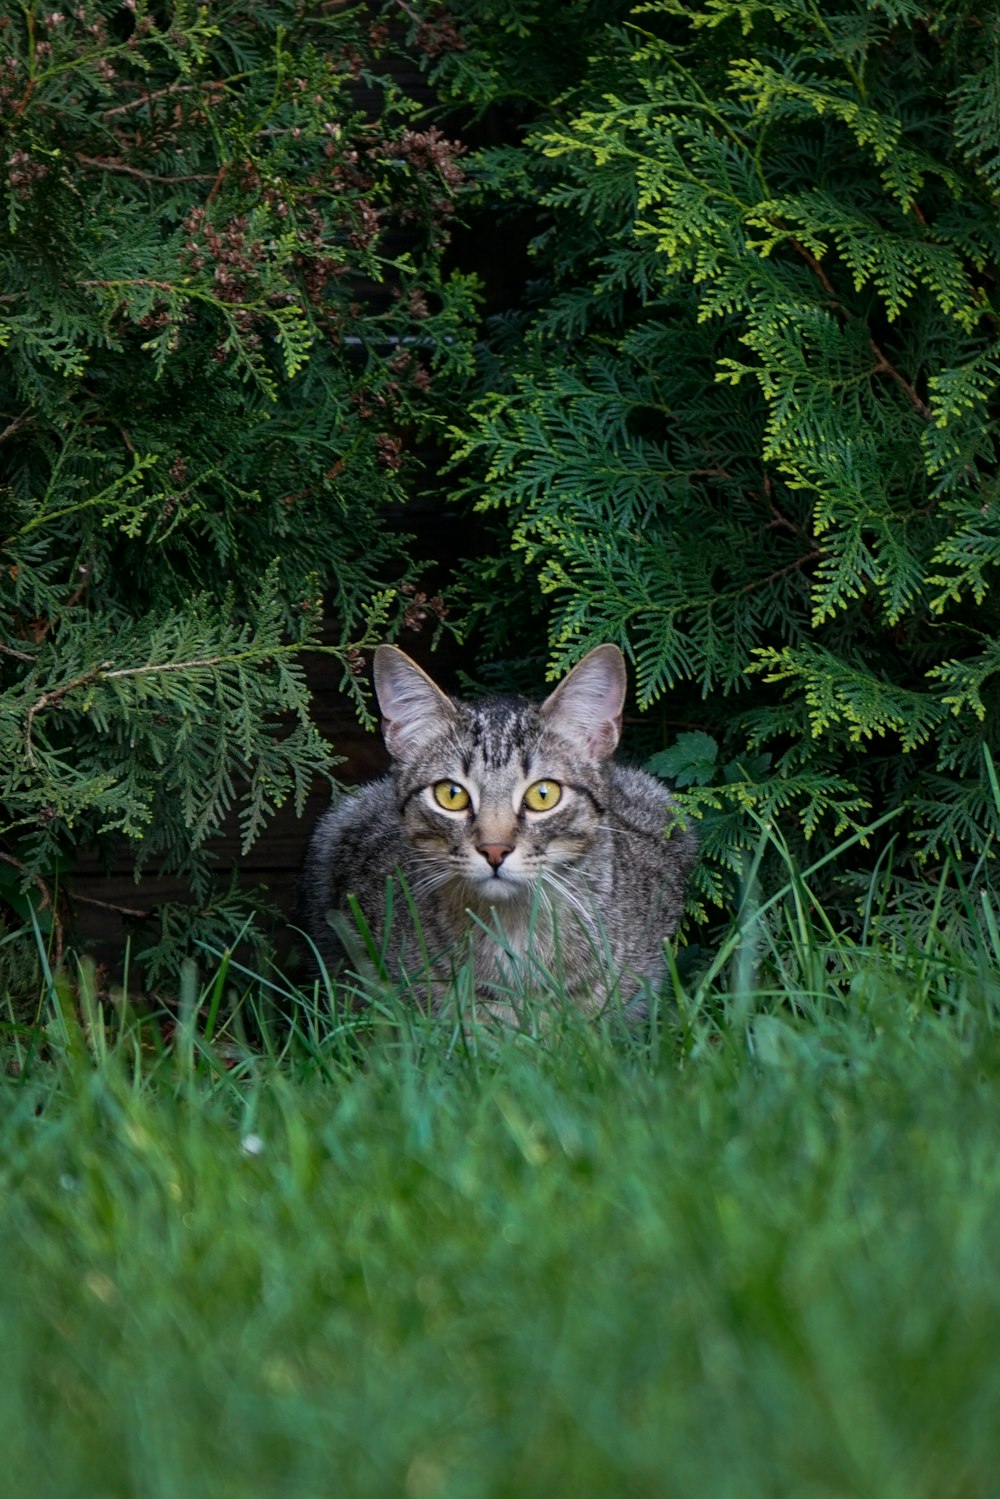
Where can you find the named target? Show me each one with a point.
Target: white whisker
(428, 883)
(435, 872)
(570, 897)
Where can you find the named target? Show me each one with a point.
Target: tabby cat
(523, 845)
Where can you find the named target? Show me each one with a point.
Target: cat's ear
(414, 710)
(586, 707)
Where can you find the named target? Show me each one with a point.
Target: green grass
(755, 1255)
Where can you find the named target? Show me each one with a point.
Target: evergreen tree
(745, 421)
(222, 319)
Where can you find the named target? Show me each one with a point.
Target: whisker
(436, 871)
(571, 898)
(428, 883)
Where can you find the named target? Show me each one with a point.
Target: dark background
(108, 903)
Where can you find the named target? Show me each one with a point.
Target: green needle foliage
(222, 319)
(745, 423)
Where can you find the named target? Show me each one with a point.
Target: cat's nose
(495, 853)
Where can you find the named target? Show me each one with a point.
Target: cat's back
(639, 799)
(651, 848)
(354, 846)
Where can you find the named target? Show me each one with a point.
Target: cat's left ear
(586, 707)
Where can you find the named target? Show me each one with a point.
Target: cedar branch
(884, 365)
(110, 164)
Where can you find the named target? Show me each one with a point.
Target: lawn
(754, 1254)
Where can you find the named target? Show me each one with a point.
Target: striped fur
(585, 890)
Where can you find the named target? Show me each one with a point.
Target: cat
(523, 845)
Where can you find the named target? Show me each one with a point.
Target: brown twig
(9, 650)
(106, 673)
(109, 164)
(46, 700)
(779, 520)
(160, 93)
(781, 572)
(47, 904)
(216, 184)
(814, 265)
(886, 367)
(16, 424)
(41, 628)
(25, 98)
(80, 589)
(109, 905)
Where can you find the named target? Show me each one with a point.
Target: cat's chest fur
(510, 844)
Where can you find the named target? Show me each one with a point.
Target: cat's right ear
(414, 709)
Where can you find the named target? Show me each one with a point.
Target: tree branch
(814, 265)
(108, 905)
(46, 700)
(106, 673)
(16, 424)
(160, 93)
(885, 367)
(9, 650)
(138, 281)
(109, 164)
(781, 572)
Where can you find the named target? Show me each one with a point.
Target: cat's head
(502, 792)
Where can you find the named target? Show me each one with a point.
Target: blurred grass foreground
(751, 1253)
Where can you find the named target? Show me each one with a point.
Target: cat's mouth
(498, 883)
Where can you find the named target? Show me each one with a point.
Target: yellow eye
(542, 795)
(451, 796)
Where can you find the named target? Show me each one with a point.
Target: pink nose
(495, 853)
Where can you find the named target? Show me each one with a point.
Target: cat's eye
(542, 795)
(451, 796)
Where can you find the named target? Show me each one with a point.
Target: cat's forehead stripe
(500, 729)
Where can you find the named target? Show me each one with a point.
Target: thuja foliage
(223, 318)
(745, 421)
